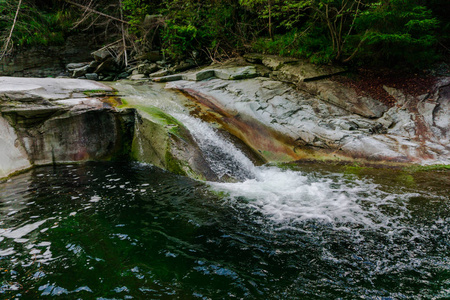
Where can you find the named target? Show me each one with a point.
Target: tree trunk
(270, 20)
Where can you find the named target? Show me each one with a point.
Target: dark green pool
(130, 231)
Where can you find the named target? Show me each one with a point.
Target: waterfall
(137, 136)
(287, 196)
(283, 196)
(225, 159)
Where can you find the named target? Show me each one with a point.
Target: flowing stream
(133, 231)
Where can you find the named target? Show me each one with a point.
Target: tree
(266, 12)
(398, 30)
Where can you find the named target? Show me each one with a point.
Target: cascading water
(287, 196)
(223, 157)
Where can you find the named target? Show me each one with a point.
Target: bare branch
(96, 12)
(8, 40)
(123, 36)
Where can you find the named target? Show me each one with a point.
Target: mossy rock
(163, 141)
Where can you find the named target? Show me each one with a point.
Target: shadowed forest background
(371, 33)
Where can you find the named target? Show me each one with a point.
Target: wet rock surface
(46, 120)
(163, 141)
(415, 131)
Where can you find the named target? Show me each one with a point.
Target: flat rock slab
(35, 89)
(273, 62)
(303, 71)
(293, 70)
(226, 73)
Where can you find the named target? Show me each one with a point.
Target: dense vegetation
(376, 32)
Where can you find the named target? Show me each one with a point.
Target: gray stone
(91, 76)
(109, 65)
(101, 55)
(236, 73)
(200, 75)
(80, 71)
(123, 75)
(168, 78)
(254, 58)
(146, 68)
(109, 78)
(182, 66)
(160, 73)
(72, 66)
(137, 77)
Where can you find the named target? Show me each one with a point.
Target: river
(126, 230)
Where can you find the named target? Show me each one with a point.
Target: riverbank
(279, 109)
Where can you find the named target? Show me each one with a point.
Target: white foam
(286, 196)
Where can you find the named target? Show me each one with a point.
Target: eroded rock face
(308, 124)
(164, 142)
(46, 121)
(75, 135)
(13, 156)
(313, 79)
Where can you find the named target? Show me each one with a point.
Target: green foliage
(398, 31)
(383, 32)
(136, 10)
(34, 26)
(312, 44)
(199, 26)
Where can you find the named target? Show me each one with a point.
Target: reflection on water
(123, 231)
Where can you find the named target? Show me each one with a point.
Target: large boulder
(47, 121)
(163, 141)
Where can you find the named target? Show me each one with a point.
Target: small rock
(161, 63)
(236, 73)
(109, 78)
(182, 66)
(101, 55)
(107, 66)
(199, 76)
(137, 77)
(160, 73)
(92, 76)
(72, 66)
(80, 71)
(254, 58)
(168, 78)
(123, 75)
(146, 68)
